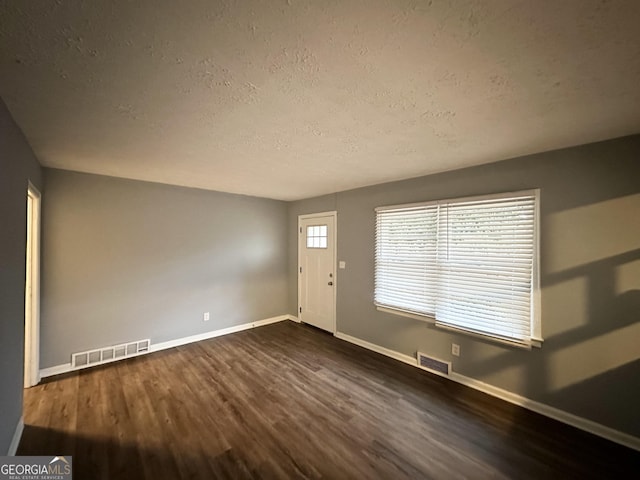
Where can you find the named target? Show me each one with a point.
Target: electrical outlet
(455, 349)
(205, 317)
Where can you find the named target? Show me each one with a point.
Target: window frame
(535, 337)
(319, 237)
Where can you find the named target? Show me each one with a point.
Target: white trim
(56, 370)
(474, 198)
(423, 317)
(534, 342)
(15, 440)
(32, 289)
(541, 408)
(551, 412)
(215, 333)
(66, 367)
(334, 214)
(401, 357)
(493, 338)
(319, 214)
(536, 321)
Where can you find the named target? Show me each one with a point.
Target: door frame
(32, 285)
(334, 214)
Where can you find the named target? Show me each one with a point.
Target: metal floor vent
(434, 365)
(109, 354)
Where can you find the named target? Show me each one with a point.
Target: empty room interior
(332, 239)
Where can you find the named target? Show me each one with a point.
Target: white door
(316, 270)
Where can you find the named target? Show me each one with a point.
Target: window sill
(406, 313)
(534, 342)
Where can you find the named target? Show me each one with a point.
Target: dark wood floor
(289, 401)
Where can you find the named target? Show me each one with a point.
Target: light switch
(342, 264)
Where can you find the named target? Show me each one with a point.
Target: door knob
(330, 283)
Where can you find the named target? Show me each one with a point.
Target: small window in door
(317, 236)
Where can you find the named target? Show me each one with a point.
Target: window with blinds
(470, 264)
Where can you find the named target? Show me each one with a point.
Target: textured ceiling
(291, 99)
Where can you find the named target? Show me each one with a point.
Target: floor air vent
(434, 365)
(109, 354)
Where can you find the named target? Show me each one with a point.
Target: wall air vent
(109, 354)
(434, 365)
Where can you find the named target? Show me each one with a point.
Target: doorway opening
(32, 291)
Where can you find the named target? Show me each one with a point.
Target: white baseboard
(541, 408)
(55, 370)
(215, 333)
(552, 412)
(15, 441)
(401, 357)
(66, 367)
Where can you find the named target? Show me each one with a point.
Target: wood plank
(287, 400)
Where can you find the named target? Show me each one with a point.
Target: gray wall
(589, 364)
(126, 260)
(18, 165)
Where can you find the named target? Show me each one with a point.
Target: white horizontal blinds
(406, 250)
(486, 257)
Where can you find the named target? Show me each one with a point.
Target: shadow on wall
(593, 368)
(617, 384)
(590, 277)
